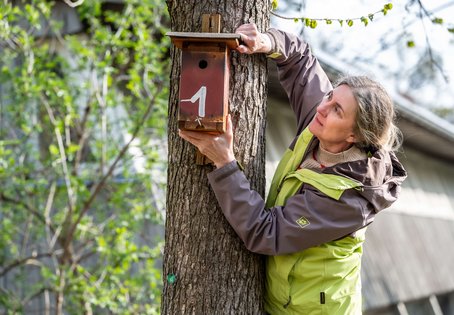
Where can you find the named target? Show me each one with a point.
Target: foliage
(313, 22)
(366, 19)
(410, 47)
(80, 115)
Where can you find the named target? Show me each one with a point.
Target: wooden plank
(211, 23)
(231, 40)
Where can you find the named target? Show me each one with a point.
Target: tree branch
(73, 4)
(38, 215)
(49, 202)
(97, 188)
(83, 136)
(79, 255)
(35, 294)
(60, 293)
(328, 20)
(24, 261)
(429, 47)
(61, 147)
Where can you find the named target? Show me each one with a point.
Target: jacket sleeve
(309, 218)
(300, 74)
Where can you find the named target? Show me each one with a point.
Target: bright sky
(364, 45)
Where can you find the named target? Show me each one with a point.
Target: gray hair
(375, 127)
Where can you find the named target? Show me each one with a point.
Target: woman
(339, 171)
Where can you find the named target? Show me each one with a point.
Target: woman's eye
(337, 109)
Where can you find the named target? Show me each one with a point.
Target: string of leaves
(313, 22)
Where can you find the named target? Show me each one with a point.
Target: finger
(246, 32)
(184, 135)
(228, 125)
(190, 134)
(243, 27)
(243, 49)
(188, 137)
(197, 137)
(243, 43)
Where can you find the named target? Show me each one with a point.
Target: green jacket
(324, 279)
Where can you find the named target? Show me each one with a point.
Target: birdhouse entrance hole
(203, 64)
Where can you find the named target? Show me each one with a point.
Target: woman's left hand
(217, 147)
(253, 40)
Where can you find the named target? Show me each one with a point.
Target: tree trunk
(207, 269)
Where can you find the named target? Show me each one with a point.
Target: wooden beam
(211, 23)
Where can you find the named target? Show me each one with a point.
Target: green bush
(82, 162)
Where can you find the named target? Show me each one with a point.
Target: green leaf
(410, 44)
(350, 23)
(371, 17)
(274, 4)
(328, 21)
(26, 128)
(102, 244)
(72, 148)
(313, 24)
(341, 22)
(53, 149)
(437, 20)
(388, 6)
(451, 30)
(364, 20)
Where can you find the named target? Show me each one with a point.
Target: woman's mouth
(318, 120)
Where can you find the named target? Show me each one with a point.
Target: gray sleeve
(309, 218)
(300, 74)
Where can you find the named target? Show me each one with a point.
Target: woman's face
(334, 121)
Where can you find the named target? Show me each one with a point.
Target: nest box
(204, 80)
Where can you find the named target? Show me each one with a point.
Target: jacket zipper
(290, 280)
(288, 302)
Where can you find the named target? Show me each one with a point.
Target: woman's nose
(322, 108)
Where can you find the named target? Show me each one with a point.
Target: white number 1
(200, 95)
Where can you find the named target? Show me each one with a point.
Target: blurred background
(83, 148)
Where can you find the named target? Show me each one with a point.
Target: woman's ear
(352, 138)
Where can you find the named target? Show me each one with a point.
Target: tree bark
(207, 269)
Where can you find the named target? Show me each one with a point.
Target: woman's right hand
(252, 40)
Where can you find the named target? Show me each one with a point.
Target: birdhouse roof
(230, 40)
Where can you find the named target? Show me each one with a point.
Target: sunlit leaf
(313, 24)
(437, 20)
